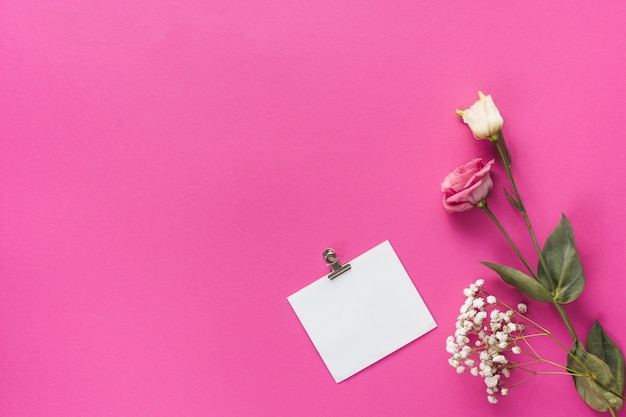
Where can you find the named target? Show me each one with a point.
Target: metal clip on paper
(331, 260)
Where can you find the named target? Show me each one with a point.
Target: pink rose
(467, 185)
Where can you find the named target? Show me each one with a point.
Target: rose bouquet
(493, 339)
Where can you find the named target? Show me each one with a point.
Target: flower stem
(545, 332)
(548, 372)
(505, 157)
(566, 319)
(483, 205)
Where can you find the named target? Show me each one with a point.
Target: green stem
(483, 205)
(566, 319)
(506, 161)
(530, 336)
(567, 371)
(546, 332)
(547, 372)
(505, 157)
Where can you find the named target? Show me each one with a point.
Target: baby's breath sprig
(492, 339)
(486, 334)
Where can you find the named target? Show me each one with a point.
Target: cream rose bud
(483, 118)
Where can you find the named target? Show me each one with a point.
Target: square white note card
(364, 314)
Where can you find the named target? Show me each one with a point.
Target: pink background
(170, 171)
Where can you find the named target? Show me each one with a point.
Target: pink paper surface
(171, 171)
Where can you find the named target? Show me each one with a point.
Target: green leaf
(513, 200)
(521, 281)
(599, 343)
(564, 277)
(594, 387)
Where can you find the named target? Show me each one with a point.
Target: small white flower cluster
(483, 335)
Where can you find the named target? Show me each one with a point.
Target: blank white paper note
(364, 314)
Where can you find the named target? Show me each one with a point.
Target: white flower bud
(500, 359)
(492, 381)
(483, 118)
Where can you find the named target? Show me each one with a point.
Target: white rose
(483, 118)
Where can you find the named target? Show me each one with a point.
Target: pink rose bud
(467, 185)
